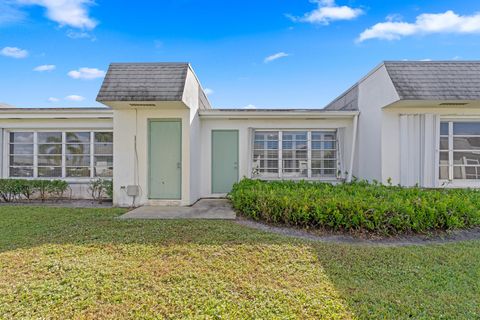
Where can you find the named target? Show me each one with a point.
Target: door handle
(235, 165)
(179, 165)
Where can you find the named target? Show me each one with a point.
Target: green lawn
(82, 263)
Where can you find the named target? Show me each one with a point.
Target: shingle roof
(435, 80)
(423, 80)
(144, 82)
(348, 101)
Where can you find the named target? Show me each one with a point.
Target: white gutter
(269, 114)
(39, 113)
(354, 142)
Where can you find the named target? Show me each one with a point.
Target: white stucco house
(162, 143)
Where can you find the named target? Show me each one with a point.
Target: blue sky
(267, 53)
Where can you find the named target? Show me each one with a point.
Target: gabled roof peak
(435, 80)
(144, 81)
(422, 80)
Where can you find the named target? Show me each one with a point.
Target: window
(77, 154)
(49, 154)
(295, 154)
(103, 150)
(459, 156)
(53, 154)
(324, 154)
(21, 154)
(265, 154)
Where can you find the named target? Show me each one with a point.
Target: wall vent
(142, 104)
(453, 104)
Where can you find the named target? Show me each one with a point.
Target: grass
(82, 263)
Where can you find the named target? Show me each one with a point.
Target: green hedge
(357, 206)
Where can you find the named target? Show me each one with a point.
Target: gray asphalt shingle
(435, 80)
(424, 80)
(144, 82)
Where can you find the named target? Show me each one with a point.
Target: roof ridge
(432, 61)
(150, 63)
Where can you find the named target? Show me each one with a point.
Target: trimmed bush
(10, 189)
(101, 189)
(17, 189)
(357, 206)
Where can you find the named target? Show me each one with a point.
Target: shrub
(357, 206)
(26, 188)
(16, 189)
(43, 187)
(57, 188)
(10, 189)
(101, 189)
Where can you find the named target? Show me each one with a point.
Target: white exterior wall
(411, 155)
(375, 91)
(131, 168)
(130, 163)
(54, 122)
(398, 140)
(245, 126)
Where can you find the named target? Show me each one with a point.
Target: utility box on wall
(133, 191)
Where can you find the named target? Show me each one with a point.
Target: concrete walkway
(203, 209)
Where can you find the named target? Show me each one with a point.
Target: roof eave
(278, 114)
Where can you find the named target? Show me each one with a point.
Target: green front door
(165, 159)
(224, 160)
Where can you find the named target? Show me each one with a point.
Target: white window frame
(8, 155)
(37, 153)
(6, 148)
(451, 182)
(279, 175)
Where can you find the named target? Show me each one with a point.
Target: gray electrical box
(133, 191)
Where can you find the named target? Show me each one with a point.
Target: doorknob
(179, 165)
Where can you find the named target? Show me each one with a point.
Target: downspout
(354, 142)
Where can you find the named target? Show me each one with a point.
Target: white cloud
(426, 23)
(45, 67)
(73, 13)
(74, 97)
(53, 99)
(328, 11)
(72, 34)
(9, 13)
(275, 57)
(14, 52)
(86, 73)
(208, 91)
(250, 106)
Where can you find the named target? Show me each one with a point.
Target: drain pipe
(354, 142)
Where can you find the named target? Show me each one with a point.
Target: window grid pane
(265, 154)
(459, 156)
(45, 154)
(21, 154)
(49, 154)
(301, 152)
(294, 154)
(324, 154)
(103, 154)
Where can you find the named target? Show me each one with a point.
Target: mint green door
(165, 159)
(224, 160)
